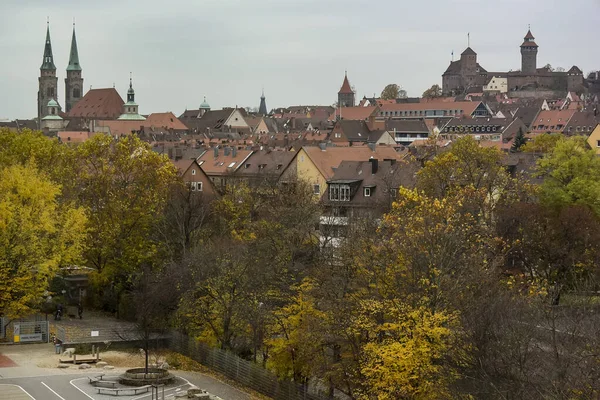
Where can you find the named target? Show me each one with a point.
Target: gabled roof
(98, 104)
(213, 120)
(327, 160)
(354, 130)
(585, 121)
(468, 52)
(223, 164)
(164, 120)
(266, 162)
(575, 71)
(354, 113)
(551, 121)
(346, 89)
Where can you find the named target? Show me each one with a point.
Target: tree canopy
(433, 92)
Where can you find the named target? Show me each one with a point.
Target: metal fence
(245, 372)
(26, 330)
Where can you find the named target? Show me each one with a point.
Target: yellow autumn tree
(404, 351)
(37, 237)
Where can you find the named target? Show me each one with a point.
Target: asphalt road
(77, 387)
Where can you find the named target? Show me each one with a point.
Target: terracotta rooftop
(360, 113)
(529, 35)
(99, 104)
(74, 136)
(330, 158)
(222, 161)
(467, 107)
(120, 127)
(551, 121)
(164, 120)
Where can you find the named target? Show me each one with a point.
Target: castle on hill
(467, 75)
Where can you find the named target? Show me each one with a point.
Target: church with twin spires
(48, 81)
(466, 75)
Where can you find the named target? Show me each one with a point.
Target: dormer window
(367, 192)
(193, 172)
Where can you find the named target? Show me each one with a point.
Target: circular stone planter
(139, 377)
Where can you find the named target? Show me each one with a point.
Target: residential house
(552, 121)
(220, 164)
(213, 121)
(257, 125)
(317, 164)
(406, 131)
(594, 139)
(265, 166)
(357, 131)
(362, 189)
(582, 123)
(497, 84)
(193, 175)
(487, 129)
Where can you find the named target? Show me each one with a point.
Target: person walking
(80, 310)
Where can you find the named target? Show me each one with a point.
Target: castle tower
(346, 94)
(262, 110)
(73, 81)
(47, 82)
(130, 109)
(468, 67)
(529, 50)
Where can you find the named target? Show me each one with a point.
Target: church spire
(74, 55)
(48, 61)
(130, 92)
(262, 110)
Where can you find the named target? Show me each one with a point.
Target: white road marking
(50, 389)
(75, 386)
(24, 391)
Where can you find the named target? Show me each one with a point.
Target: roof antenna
(469, 39)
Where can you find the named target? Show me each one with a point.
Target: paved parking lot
(22, 379)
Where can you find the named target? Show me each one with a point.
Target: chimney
(322, 146)
(234, 151)
(374, 165)
(216, 150)
(226, 151)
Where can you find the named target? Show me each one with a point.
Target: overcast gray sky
(227, 50)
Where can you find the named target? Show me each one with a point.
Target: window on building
(597, 143)
(394, 193)
(317, 189)
(367, 192)
(198, 186)
(193, 172)
(76, 93)
(53, 111)
(338, 135)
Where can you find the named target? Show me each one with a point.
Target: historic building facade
(466, 74)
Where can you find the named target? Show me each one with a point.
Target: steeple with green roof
(47, 81)
(74, 80)
(48, 61)
(74, 55)
(130, 109)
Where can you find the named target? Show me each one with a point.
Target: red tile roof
(74, 136)
(222, 164)
(164, 120)
(529, 35)
(551, 121)
(346, 89)
(467, 107)
(354, 113)
(99, 104)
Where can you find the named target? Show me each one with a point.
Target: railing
(245, 372)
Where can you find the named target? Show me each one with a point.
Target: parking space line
(24, 391)
(76, 387)
(50, 389)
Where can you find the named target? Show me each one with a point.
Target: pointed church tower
(73, 81)
(130, 109)
(346, 94)
(47, 82)
(262, 110)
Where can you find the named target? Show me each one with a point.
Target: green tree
(123, 185)
(390, 92)
(571, 175)
(433, 92)
(543, 144)
(37, 236)
(519, 141)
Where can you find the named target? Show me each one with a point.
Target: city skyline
(228, 51)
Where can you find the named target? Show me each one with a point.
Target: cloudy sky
(227, 50)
